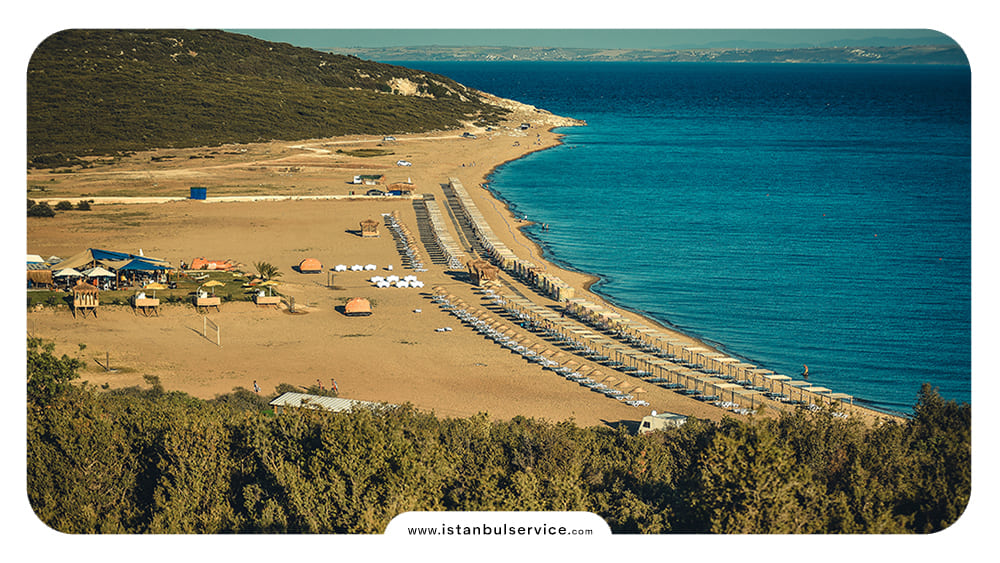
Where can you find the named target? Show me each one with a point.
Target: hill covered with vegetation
(104, 91)
(151, 461)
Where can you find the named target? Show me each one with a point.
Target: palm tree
(267, 270)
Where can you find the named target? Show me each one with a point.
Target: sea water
(791, 214)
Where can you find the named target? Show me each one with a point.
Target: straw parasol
(154, 286)
(213, 284)
(269, 284)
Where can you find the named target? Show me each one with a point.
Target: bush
(31, 203)
(41, 210)
(83, 205)
(64, 206)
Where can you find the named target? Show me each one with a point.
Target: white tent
(340, 268)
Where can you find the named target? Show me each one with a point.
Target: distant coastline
(910, 54)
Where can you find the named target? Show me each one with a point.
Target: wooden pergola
(85, 299)
(369, 228)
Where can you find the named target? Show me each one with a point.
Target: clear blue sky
(603, 38)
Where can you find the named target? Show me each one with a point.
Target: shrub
(83, 205)
(64, 206)
(41, 210)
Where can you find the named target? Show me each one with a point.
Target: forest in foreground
(146, 460)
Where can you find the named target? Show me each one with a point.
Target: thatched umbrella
(213, 284)
(154, 286)
(269, 284)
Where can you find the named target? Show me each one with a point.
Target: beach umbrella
(269, 284)
(213, 284)
(98, 272)
(340, 268)
(370, 267)
(67, 272)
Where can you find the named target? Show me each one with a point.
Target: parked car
(403, 163)
(374, 192)
(388, 138)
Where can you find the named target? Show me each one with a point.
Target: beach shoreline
(395, 356)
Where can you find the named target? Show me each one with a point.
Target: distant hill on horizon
(96, 92)
(906, 54)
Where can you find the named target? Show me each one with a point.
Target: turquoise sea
(792, 214)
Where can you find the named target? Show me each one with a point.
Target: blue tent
(143, 266)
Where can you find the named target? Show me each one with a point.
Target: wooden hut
(39, 275)
(482, 272)
(85, 299)
(369, 228)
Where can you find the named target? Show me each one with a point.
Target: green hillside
(104, 91)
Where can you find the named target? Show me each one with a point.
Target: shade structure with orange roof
(358, 306)
(310, 266)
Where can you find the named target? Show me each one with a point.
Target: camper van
(661, 421)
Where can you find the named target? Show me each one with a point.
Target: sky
(594, 37)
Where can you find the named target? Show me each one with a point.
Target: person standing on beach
(256, 388)
(333, 385)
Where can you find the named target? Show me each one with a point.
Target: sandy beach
(293, 200)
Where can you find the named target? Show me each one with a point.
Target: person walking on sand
(256, 388)
(333, 385)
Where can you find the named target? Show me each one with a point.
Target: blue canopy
(142, 265)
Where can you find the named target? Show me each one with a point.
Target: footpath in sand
(397, 355)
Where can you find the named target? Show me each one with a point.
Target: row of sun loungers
(501, 255)
(646, 353)
(495, 331)
(451, 250)
(406, 243)
(522, 313)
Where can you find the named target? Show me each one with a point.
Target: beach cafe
(113, 270)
